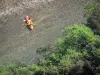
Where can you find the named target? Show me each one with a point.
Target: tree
(78, 37)
(94, 20)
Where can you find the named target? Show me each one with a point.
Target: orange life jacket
(29, 22)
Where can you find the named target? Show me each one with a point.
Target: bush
(3, 71)
(97, 70)
(94, 21)
(90, 8)
(76, 37)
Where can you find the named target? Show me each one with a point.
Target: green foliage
(14, 69)
(34, 67)
(90, 8)
(3, 71)
(75, 37)
(97, 53)
(66, 63)
(53, 58)
(97, 42)
(94, 20)
(71, 58)
(75, 55)
(78, 43)
(98, 70)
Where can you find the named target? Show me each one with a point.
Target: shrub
(94, 21)
(90, 8)
(76, 37)
(4, 71)
(98, 70)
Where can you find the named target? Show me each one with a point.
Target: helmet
(27, 17)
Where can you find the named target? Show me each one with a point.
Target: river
(17, 43)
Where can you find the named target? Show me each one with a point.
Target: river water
(17, 43)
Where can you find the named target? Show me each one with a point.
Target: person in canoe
(28, 22)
